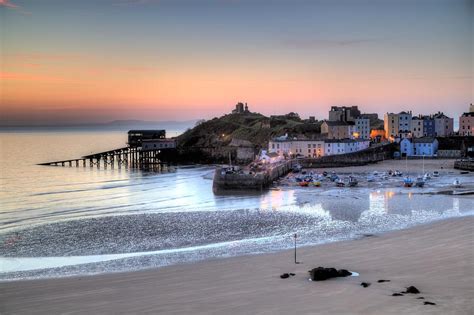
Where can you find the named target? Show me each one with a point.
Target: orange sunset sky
(94, 61)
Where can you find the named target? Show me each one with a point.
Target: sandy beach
(443, 166)
(437, 258)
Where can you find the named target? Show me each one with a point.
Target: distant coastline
(117, 125)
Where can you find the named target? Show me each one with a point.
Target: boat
(408, 181)
(317, 184)
(435, 174)
(340, 183)
(371, 178)
(334, 177)
(297, 168)
(304, 184)
(457, 183)
(420, 182)
(325, 173)
(353, 181)
(427, 176)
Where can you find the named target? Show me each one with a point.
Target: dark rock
(365, 284)
(321, 273)
(412, 290)
(429, 303)
(292, 274)
(381, 281)
(397, 294)
(344, 273)
(368, 235)
(420, 298)
(284, 276)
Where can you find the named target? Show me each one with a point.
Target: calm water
(58, 221)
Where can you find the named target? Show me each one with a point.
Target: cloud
(327, 43)
(8, 4)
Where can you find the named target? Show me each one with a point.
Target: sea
(69, 221)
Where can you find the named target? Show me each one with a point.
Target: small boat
(317, 184)
(297, 168)
(407, 181)
(420, 182)
(334, 177)
(304, 184)
(427, 176)
(353, 181)
(325, 173)
(340, 183)
(397, 173)
(435, 174)
(375, 173)
(457, 183)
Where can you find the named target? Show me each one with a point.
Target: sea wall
(464, 165)
(246, 181)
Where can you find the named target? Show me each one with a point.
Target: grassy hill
(254, 127)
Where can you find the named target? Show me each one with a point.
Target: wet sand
(444, 166)
(437, 258)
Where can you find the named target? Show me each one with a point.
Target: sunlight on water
(65, 220)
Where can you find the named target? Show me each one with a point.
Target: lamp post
(295, 236)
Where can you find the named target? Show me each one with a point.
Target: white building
(417, 127)
(362, 128)
(443, 125)
(316, 148)
(334, 146)
(296, 147)
(426, 146)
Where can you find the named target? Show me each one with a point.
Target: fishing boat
(408, 181)
(420, 182)
(353, 181)
(304, 184)
(340, 183)
(371, 178)
(334, 177)
(427, 176)
(317, 183)
(457, 183)
(325, 173)
(435, 174)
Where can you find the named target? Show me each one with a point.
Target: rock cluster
(321, 273)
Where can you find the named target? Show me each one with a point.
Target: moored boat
(419, 182)
(353, 181)
(408, 181)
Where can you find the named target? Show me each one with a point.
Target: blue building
(429, 129)
(426, 146)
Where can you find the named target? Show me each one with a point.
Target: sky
(103, 60)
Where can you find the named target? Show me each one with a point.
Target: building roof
(470, 114)
(424, 140)
(147, 131)
(337, 123)
(440, 115)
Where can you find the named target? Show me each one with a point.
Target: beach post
(295, 236)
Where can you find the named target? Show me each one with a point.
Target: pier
(226, 178)
(146, 149)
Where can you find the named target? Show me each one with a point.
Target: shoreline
(436, 257)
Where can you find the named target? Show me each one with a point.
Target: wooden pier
(126, 157)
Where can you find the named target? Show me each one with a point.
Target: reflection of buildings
(346, 208)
